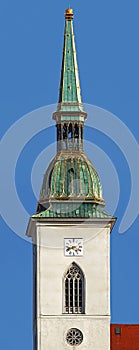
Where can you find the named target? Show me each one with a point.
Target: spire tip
(69, 13)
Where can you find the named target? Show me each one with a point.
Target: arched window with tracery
(74, 290)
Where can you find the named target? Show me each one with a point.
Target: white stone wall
(96, 332)
(52, 324)
(53, 264)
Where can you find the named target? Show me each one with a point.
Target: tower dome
(71, 176)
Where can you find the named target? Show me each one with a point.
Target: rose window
(74, 337)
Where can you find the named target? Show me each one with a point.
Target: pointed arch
(74, 290)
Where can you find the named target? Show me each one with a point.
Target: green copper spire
(69, 116)
(71, 187)
(69, 84)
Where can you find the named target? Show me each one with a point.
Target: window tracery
(74, 337)
(74, 290)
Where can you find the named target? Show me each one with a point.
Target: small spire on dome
(69, 13)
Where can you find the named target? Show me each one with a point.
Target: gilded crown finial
(69, 13)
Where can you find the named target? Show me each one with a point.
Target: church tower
(71, 231)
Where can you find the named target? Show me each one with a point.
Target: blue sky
(31, 40)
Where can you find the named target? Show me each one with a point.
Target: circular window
(74, 336)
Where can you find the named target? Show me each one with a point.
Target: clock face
(73, 246)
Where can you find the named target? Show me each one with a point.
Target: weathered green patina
(71, 175)
(69, 85)
(74, 210)
(71, 186)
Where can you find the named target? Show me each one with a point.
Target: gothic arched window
(74, 293)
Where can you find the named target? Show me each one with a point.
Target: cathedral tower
(71, 231)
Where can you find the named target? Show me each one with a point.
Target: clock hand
(73, 247)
